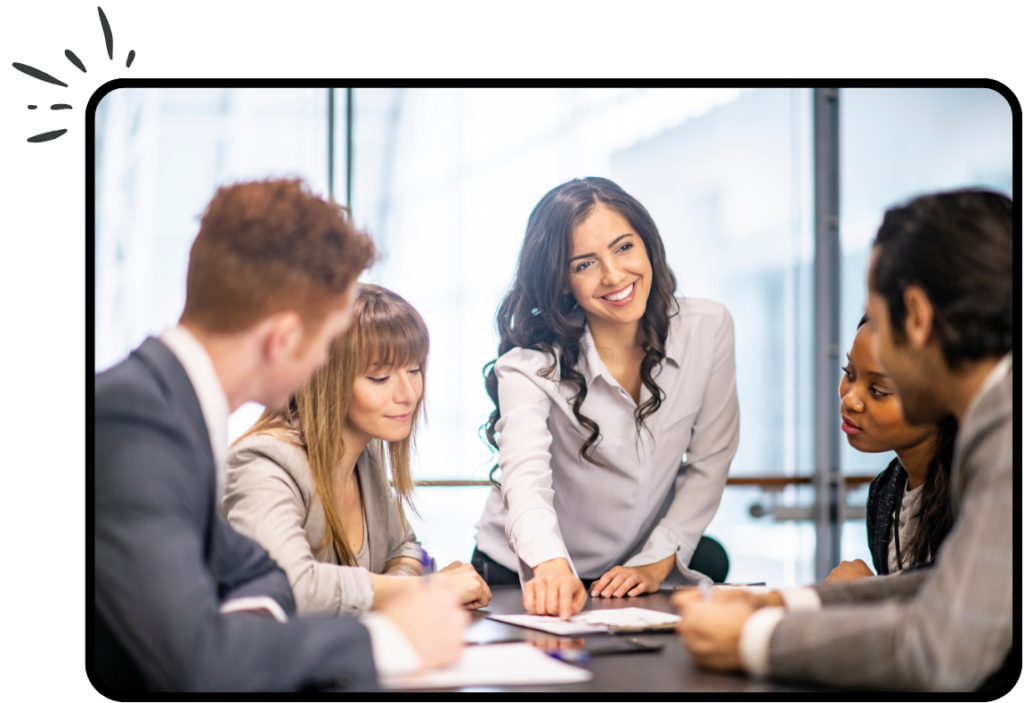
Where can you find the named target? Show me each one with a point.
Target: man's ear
(920, 316)
(282, 336)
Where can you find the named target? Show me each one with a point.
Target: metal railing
(770, 485)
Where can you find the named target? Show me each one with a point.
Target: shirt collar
(212, 399)
(996, 375)
(595, 367)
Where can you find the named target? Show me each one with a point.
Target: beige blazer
(269, 497)
(947, 628)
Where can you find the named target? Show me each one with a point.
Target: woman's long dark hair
(934, 518)
(536, 312)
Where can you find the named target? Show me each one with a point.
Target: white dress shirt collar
(212, 399)
(595, 368)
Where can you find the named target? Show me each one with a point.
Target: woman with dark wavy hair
(615, 414)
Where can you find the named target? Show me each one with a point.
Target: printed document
(590, 621)
(517, 664)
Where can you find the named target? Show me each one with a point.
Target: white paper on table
(516, 664)
(591, 621)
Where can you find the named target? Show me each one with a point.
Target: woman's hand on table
(850, 571)
(554, 590)
(632, 580)
(471, 590)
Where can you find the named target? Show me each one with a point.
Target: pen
(727, 585)
(427, 563)
(570, 656)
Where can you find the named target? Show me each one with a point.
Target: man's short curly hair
(268, 246)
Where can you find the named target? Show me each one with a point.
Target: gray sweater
(270, 497)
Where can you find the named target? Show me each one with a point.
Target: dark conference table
(668, 669)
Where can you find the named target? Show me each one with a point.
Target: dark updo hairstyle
(536, 313)
(958, 247)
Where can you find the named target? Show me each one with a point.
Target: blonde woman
(310, 482)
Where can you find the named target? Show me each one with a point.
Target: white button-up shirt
(655, 493)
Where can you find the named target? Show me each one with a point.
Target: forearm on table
(403, 566)
(894, 586)
(386, 585)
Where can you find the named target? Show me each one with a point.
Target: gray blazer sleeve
(958, 627)
(876, 588)
(268, 499)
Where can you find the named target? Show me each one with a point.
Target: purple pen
(427, 563)
(570, 656)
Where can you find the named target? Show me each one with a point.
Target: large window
(444, 179)
(160, 155)
(896, 144)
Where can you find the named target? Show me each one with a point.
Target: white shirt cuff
(535, 538)
(254, 603)
(393, 653)
(662, 542)
(800, 598)
(755, 636)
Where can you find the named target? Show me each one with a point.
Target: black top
(883, 495)
(885, 491)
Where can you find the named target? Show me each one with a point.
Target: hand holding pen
(710, 624)
(428, 565)
(471, 590)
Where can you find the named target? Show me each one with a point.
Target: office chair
(711, 559)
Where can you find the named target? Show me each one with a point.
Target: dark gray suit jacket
(948, 628)
(164, 562)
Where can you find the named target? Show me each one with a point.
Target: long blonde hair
(386, 331)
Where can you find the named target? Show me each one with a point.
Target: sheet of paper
(591, 621)
(517, 664)
(626, 617)
(552, 624)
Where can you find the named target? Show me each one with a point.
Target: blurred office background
(444, 179)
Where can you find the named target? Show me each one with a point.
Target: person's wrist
(771, 599)
(552, 567)
(660, 570)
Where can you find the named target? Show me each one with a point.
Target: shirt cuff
(755, 637)
(253, 604)
(354, 593)
(393, 653)
(800, 598)
(662, 542)
(535, 538)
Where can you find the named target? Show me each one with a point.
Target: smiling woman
(615, 415)
(310, 482)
